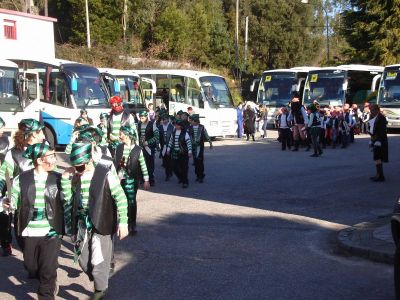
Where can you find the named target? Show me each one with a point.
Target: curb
(359, 240)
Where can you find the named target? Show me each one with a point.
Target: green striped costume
(174, 145)
(39, 225)
(9, 165)
(116, 191)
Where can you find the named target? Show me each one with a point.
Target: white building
(26, 36)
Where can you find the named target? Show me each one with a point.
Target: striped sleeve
(156, 138)
(119, 195)
(206, 136)
(15, 194)
(171, 142)
(7, 165)
(143, 167)
(188, 143)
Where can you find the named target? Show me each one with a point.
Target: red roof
(21, 14)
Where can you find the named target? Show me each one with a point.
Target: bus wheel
(48, 133)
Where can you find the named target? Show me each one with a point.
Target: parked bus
(389, 95)
(16, 95)
(128, 85)
(208, 95)
(335, 86)
(59, 89)
(277, 86)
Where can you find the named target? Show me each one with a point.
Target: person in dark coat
(249, 117)
(379, 141)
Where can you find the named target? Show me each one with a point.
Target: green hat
(129, 131)
(90, 134)
(143, 113)
(81, 127)
(312, 107)
(164, 116)
(35, 151)
(179, 112)
(195, 117)
(81, 153)
(179, 122)
(30, 125)
(2, 123)
(103, 116)
(83, 110)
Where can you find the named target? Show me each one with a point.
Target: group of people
(251, 120)
(93, 201)
(317, 127)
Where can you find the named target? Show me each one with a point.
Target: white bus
(16, 96)
(58, 90)
(128, 85)
(336, 86)
(277, 86)
(208, 95)
(389, 95)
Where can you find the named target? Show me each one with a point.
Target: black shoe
(314, 155)
(200, 180)
(373, 177)
(283, 149)
(112, 268)
(185, 185)
(133, 232)
(320, 152)
(379, 179)
(295, 149)
(308, 148)
(197, 179)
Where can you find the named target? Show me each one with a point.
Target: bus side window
(178, 88)
(194, 94)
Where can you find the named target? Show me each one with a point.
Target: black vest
(102, 208)
(316, 120)
(182, 142)
(170, 128)
(297, 113)
(20, 162)
(132, 164)
(4, 144)
(124, 121)
(149, 133)
(52, 196)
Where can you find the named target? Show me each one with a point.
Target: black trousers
(167, 165)
(285, 137)
(181, 168)
(149, 158)
(5, 229)
(199, 166)
(41, 261)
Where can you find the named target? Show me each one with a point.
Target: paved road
(262, 226)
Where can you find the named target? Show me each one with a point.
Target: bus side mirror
(74, 85)
(344, 86)
(117, 87)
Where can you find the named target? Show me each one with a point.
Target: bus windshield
(86, 86)
(389, 93)
(325, 87)
(216, 90)
(9, 100)
(276, 88)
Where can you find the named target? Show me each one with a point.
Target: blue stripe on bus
(61, 128)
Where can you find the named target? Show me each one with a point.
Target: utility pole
(46, 8)
(246, 38)
(237, 41)
(87, 24)
(124, 18)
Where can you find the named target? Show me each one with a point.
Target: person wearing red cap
(118, 117)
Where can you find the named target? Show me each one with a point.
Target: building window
(10, 29)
